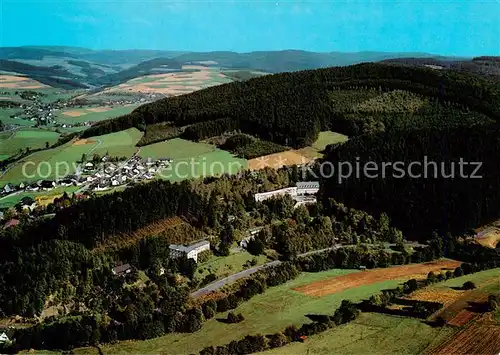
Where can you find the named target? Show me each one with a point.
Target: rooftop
(188, 248)
(308, 185)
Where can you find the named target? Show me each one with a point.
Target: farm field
(371, 333)
(19, 82)
(269, 312)
(456, 301)
(11, 142)
(195, 77)
(92, 114)
(325, 138)
(192, 160)
(345, 282)
(277, 160)
(44, 163)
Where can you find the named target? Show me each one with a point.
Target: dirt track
(345, 282)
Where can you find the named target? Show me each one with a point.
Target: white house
(191, 251)
(307, 187)
(4, 338)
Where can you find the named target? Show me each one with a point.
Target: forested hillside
(449, 199)
(291, 108)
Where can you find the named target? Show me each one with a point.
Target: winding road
(239, 275)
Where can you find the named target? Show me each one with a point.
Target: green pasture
(5, 114)
(175, 149)
(325, 138)
(89, 116)
(33, 138)
(214, 163)
(371, 333)
(60, 161)
(118, 144)
(269, 312)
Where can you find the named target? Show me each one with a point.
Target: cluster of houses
(98, 176)
(108, 175)
(303, 192)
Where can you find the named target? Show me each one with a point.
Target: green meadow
(192, 160)
(269, 312)
(11, 142)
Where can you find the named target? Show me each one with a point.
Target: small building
(191, 251)
(121, 270)
(8, 189)
(27, 203)
(307, 187)
(4, 338)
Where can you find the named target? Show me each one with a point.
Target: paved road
(239, 275)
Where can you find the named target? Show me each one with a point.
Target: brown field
(74, 113)
(478, 338)
(456, 312)
(462, 318)
(19, 82)
(84, 141)
(357, 279)
(277, 160)
(445, 296)
(98, 109)
(171, 84)
(491, 239)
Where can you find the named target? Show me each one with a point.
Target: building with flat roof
(307, 187)
(191, 251)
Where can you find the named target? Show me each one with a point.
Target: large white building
(301, 188)
(191, 251)
(292, 191)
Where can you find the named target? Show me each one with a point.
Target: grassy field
(272, 311)
(477, 278)
(5, 114)
(325, 138)
(371, 333)
(33, 138)
(225, 266)
(86, 114)
(192, 160)
(43, 164)
(119, 144)
(176, 149)
(45, 196)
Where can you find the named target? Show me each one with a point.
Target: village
(46, 114)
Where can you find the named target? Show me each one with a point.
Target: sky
(456, 28)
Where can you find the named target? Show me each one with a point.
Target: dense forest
(291, 108)
(448, 199)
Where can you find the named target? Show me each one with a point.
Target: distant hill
(94, 68)
(52, 76)
(485, 66)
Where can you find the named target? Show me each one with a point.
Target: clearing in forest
(344, 282)
(278, 160)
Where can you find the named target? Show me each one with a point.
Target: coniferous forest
(390, 113)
